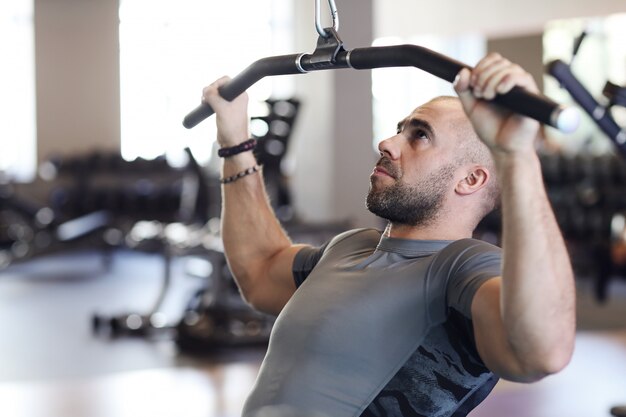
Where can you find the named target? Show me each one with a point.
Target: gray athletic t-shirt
(379, 327)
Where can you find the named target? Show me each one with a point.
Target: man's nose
(390, 147)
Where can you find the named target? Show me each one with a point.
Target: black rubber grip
(601, 116)
(274, 65)
(518, 100)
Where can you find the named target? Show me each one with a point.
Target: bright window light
(17, 83)
(170, 50)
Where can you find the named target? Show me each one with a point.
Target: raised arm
(259, 252)
(524, 321)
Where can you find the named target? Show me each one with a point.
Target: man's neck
(433, 231)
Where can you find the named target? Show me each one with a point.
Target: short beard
(412, 205)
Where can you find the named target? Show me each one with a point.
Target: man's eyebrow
(401, 124)
(414, 122)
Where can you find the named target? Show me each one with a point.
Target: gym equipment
(28, 229)
(330, 54)
(271, 149)
(168, 220)
(144, 236)
(133, 190)
(601, 201)
(588, 196)
(600, 114)
(217, 318)
(173, 220)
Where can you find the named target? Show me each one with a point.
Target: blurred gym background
(115, 299)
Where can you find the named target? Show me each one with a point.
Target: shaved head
(471, 150)
(434, 151)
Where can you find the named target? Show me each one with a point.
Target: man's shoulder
(465, 253)
(362, 237)
(471, 245)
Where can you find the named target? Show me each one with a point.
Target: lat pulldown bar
(330, 54)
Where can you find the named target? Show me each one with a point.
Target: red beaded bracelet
(234, 150)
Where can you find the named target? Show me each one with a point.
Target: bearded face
(415, 204)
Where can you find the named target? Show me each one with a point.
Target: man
(419, 320)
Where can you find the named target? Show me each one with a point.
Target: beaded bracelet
(234, 150)
(241, 174)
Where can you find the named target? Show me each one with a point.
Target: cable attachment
(324, 32)
(325, 54)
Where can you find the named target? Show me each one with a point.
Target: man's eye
(421, 134)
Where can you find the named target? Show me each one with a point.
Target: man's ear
(475, 179)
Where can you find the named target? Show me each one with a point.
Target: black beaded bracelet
(234, 150)
(241, 174)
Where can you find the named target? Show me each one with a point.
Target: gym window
(170, 50)
(17, 83)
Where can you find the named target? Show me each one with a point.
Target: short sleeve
(473, 262)
(307, 258)
(304, 262)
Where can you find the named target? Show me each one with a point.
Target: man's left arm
(524, 321)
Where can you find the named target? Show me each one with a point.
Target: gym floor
(53, 366)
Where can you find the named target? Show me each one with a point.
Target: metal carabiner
(318, 17)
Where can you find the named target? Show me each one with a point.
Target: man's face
(418, 166)
(410, 204)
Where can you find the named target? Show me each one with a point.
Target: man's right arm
(259, 252)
